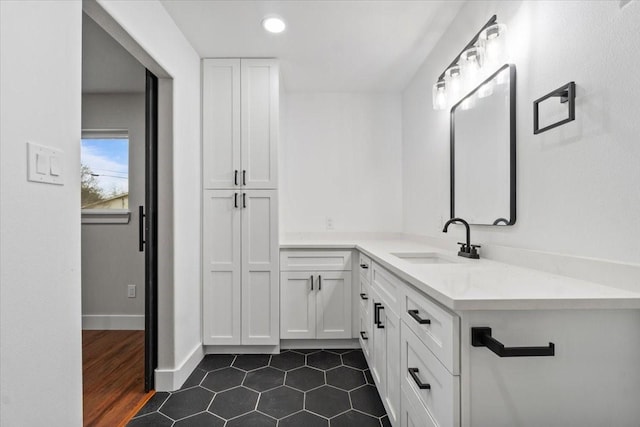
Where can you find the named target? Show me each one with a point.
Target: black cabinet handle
(376, 315)
(235, 200)
(363, 335)
(244, 177)
(481, 337)
(312, 282)
(365, 266)
(319, 282)
(141, 228)
(417, 318)
(364, 296)
(244, 200)
(235, 177)
(414, 374)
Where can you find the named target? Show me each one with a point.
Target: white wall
(40, 336)
(340, 157)
(148, 24)
(577, 190)
(110, 256)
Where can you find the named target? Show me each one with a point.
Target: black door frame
(151, 232)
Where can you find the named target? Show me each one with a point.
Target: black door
(151, 232)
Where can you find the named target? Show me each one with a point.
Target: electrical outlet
(329, 222)
(131, 291)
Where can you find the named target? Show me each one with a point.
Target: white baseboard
(320, 344)
(172, 379)
(129, 322)
(241, 349)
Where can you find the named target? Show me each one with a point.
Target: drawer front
(364, 298)
(305, 260)
(438, 329)
(364, 265)
(388, 287)
(364, 336)
(442, 399)
(413, 414)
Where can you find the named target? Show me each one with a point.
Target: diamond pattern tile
(297, 388)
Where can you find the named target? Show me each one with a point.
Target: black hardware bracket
(567, 94)
(481, 337)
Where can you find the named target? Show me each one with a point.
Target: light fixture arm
(473, 41)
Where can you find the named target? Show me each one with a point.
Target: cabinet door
(260, 287)
(333, 305)
(379, 348)
(221, 123)
(298, 304)
(391, 392)
(260, 99)
(221, 268)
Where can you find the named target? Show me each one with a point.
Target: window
(104, 170)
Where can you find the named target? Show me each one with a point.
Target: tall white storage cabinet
(240, 206)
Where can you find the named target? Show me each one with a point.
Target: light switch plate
(44, 164)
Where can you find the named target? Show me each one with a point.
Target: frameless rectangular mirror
(483, 152)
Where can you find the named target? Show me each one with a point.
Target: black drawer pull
(365, 266)
(312, 282)
(481, 337)
(376, 315)
(235, 177)
(364, 296)
(414, 314)
(414, 374)
(319, 282)
(363, 335)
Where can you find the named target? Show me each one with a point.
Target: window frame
(105, 216)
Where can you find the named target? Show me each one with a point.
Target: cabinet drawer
(413, 414)
(364, 336)
(304, 260)
(443, 397)
(364, 265)
(388, 287)
(364, 297)
(440, 334)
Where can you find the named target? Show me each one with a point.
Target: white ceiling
(329, 45)
(106, 66)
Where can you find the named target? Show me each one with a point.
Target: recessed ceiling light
(273, 24)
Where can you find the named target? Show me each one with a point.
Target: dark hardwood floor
(113, 376)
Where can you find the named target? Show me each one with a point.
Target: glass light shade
(439, 96)
(494, 41)
(471, 67)
(453, 81)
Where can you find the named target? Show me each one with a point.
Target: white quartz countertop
(467, 284)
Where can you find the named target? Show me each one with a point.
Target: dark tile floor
(307, 388)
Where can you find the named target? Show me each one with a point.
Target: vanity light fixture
(481, 57)
(273, 24)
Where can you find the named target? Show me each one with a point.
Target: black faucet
(467, 250)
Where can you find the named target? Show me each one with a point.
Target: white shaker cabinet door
(221, 164)
(298, 305)
(333, 305)
(260, 101)
(260, 284)
(221, 268)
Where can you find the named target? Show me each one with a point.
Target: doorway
(119, 231)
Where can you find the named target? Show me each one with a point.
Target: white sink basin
(423, 258)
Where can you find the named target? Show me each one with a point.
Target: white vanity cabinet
(315, 294)
(429, 373)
